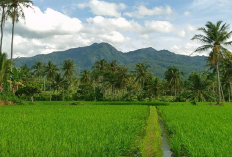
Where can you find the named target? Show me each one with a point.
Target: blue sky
(56, 25)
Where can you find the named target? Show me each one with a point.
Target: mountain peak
(85, 57)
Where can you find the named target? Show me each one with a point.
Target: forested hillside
(85, 57)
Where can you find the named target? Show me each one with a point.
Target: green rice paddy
(199, 130)
(114, 129)
(65, 130)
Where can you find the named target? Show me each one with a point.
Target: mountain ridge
(85, 57)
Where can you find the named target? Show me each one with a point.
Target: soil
(3, 103)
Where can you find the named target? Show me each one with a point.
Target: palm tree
(68, 68)
(110, 79)
(174, 77)
(198, 86)
(15, 12)
(227, 76)
(85, 77)
(214, 39)
(154, 86)
(4, 67)
(3, 5)
(58, 83)
(142, 74)
(113, 66)
(50, 71)
(38, 69)
(100, 65)
(123, 77)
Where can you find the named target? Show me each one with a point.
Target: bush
(10, 97)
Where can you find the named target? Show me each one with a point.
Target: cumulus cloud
(187, 49)
(103, 8)
(48, 31)
(142, 11)
(119, 23)
(162, 27)
(115, 37)
(159, 26)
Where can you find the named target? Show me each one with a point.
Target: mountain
(85, 57)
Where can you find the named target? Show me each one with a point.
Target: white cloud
(142, 11)
(115, 37)
(186, 13)
(119, 23)
(180, 33)
(103, 8)
(45, 32)
(187, 49)
(144, 36)
(49, 22)
(159, 26)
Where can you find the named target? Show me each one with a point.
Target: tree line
(110, 81)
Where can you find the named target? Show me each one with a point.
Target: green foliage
(10, 97)
(151, 144)
(85, 57)
(29, 89)
(69, 130)
(200, 130)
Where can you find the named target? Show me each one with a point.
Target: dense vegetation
(85, 57)
(198, 130)
(75, 129)
(55, 130)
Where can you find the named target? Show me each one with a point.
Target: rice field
(66, 130)
(199, 130)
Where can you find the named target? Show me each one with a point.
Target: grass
(69, 130)
(199, 130)
(151, 145)
(126, 103)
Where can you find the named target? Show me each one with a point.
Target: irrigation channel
(155, 142)
(165, 146)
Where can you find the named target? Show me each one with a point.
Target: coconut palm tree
(38, 69)
(4, 67)
(3, 5)
(50, 71)
(142, 74)
(174, 77)
(198, 86)
(123, 77)
(154, 86)
(59, 81)
(15, 12)
(68, 68)
(85, 77)
(214, 39)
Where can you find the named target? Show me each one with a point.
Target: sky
(57, 25)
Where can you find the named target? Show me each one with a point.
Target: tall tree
(214, 38)
(38, 70)
(68, 68)
(85, 77)
(154, 86)
(15, 12)
(123, 77)
(3, 5)
(174, 77)
(198, 86)
(4, 68)
(58, 83)
(50, 71)
(142, 74)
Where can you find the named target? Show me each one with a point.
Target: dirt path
(151, 146)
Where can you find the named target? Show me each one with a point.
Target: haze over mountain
(85, 57)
